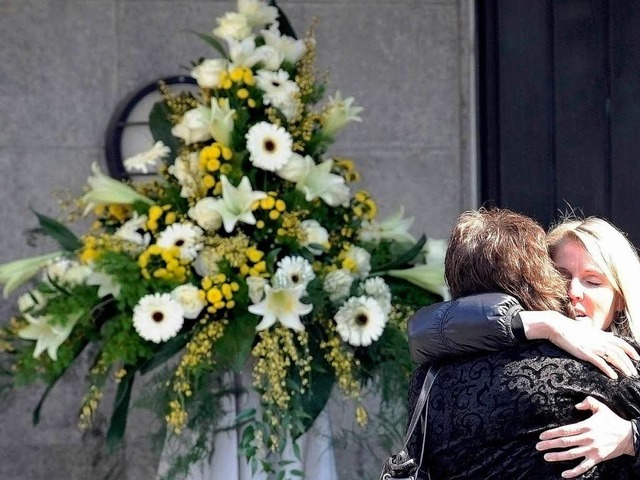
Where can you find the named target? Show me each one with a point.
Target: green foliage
(234, 348)
(160, 126)
(215, 43)
(54, 229)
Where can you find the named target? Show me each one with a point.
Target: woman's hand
(601, 437)
(602, 349)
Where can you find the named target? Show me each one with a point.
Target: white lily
(393, 227)
(219, 119)
(141, 162)
(428, 277)
(107, 284)
(291, 49)
(13, 274)
(319, 182)
(338, 113)
(257, 12)
(106, 190)
(296, 168)
(236, 203)
(435, 249)
(244, 53)
(283, 305)
(48, 336)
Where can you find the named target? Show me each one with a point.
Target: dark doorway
(559, 85)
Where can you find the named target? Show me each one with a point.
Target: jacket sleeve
(484, 322)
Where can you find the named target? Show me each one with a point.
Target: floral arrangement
(249, 247)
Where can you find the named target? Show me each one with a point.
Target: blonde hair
(618, 259)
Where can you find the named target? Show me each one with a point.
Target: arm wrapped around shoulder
(485, 322)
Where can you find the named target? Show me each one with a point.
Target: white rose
(338, 284)
(206, 216)
(233, 25)
(193, 127)
(207, 74)
(316, 234)
(206, 263)
(256, 288)
(190, 299)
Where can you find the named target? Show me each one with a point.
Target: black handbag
(401, 466)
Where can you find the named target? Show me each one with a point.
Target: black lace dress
(487, 411)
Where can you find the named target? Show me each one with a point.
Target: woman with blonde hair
(602, 270)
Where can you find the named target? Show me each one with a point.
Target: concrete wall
(64, 65)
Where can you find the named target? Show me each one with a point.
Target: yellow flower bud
(214, 295)
(237, 74)
(267, 203)
(170, 218)
(248, 78)
(213, 165)
(208, 181)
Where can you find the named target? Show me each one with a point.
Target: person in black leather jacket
(487, 411)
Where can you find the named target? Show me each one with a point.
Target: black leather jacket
(485, 322)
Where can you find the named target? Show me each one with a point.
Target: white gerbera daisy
(269, 146)
(283, 305)
(293, 271)
(157, 317)
(145, 160)
(338, 284)
(279, 91)
(358, 262)
(185, 236)
(360, 321)
(377, 289)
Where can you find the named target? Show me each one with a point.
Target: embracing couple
(537, 353)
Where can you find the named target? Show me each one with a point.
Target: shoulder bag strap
(422, 405)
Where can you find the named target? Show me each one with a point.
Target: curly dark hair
(499, 250)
